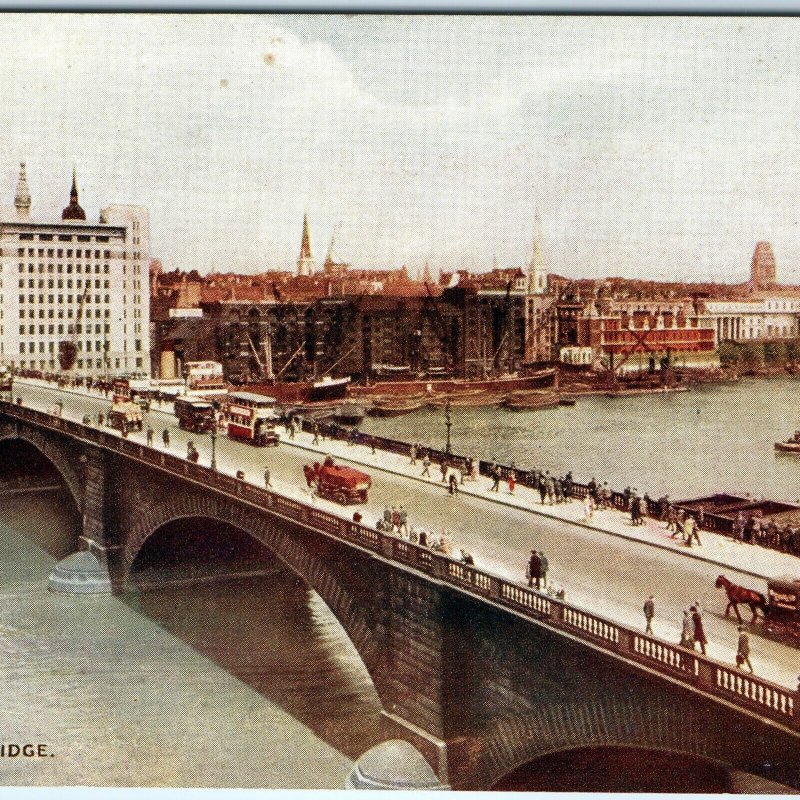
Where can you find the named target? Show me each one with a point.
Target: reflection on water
(684, 444)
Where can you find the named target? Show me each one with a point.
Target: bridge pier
(86, 570)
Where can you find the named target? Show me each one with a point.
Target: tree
(730, 354)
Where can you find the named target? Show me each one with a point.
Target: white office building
(74, 292)
(768, 317)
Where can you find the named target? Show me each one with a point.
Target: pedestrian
(687, 631)
(743, 650)
(413, 454)
(150, 437)
(387, 518)
(443, 470)
(467, 558)
(544, 564)
(542, 489)
(316, 433)
(165, 437)
(403, 520)
(372, 444)
(100, 417)
(426, 466)
(699, 635)
(649, 612)
(395, 520)
(588, 507)
(690, 531)
(534, 565)
(452, 482)
(495, 476)
(292, 429)
(267, 478)
(512, 480)
(633, 505)
(672, 518)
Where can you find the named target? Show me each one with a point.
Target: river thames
(683, 444)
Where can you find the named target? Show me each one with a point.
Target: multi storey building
(74, 294)
(774, 316)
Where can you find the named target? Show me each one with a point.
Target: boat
(790, 445)
(349, 414)
(394, 407)
(531, 401)
(566, 401)
(471, 399)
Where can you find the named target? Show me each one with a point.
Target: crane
(68, 348)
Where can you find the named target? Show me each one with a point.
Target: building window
(26, 237)
(84, 238)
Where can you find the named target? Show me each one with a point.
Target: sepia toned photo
(400, 402)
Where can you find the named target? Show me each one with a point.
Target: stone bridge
(484, 676)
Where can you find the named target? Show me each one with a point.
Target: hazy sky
(650, 147)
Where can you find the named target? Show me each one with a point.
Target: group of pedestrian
(536, 572)
(636, 505)
(394, 520)
(767, 533)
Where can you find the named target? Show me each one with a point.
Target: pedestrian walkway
(758, 562)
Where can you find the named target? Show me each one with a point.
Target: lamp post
(448, 423)
(214, 445)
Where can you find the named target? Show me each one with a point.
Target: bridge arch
(65, 460)
(618, 767)
(318, 573)
(661, 726)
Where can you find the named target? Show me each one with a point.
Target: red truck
(343, 485)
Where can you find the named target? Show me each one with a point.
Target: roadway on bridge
(604, 574)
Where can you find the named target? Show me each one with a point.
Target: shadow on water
(611, 769)
(221, 592)
(25, 477)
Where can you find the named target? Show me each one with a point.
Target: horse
(738, 594)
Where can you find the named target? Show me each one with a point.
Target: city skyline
(666, 154)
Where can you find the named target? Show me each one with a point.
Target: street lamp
(214, 445)
(448, 423)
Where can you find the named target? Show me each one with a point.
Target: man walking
(267, 478)
(316, 433)
(413, 454)
(403, 521)
(649, 613)
(495, 476)
(426, 466)
(165, 437)
(149, 437)
(699, 633)
(534, 567)
(543, 567)
(690, 531)
(743, 650)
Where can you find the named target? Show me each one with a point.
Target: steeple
(537, 272)
(73, 210)
(305, 263)
(22, 199)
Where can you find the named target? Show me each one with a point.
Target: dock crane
(68, 348)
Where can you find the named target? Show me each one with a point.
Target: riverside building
(74, 295)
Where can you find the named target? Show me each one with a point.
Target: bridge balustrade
(757, 694)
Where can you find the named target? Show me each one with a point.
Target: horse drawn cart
(780, 608)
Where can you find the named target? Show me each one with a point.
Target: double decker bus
(251, 417)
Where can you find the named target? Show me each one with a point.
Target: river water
(684, 444)
(231, 683)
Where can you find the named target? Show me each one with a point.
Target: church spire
(537, 271)
(305, 263)
(22, 199)
(73, 211)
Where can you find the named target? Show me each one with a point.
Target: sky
(660, 148)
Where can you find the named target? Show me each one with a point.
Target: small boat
(393, 408)
(349, 414)
(791, 445)
(566, 401)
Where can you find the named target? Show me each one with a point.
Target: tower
(537, 273)
(763, 272)
(22, 199)
(305, 263)
(73, 211)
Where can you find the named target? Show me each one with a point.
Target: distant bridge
(481, 674)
